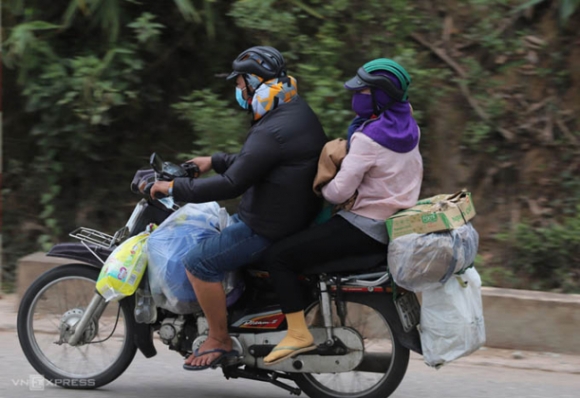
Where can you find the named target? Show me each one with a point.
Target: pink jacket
(386, 181)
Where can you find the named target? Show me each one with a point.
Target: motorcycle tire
(43, 365)
(365, 308)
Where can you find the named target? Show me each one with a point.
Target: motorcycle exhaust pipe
(375, 363)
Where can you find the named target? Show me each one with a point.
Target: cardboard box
(438, 213)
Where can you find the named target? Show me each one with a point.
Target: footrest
(261, 350)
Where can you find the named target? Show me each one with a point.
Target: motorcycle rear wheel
(59, 296)
(367, 314)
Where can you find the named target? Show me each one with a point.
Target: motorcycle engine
(171, 332)
(179, 332)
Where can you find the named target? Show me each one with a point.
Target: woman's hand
(203, 162)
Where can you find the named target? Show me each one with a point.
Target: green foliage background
(92, 87)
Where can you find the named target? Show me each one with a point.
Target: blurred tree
(95, 82)
(566, 8)
(95, 86)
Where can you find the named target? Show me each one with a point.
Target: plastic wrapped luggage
(166, 247)
(423, 261)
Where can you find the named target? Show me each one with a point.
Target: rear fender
(79, 252)
(411, 339)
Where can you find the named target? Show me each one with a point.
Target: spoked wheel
(48, 313)
(385, 359)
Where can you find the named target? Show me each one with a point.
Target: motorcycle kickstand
(258, 375)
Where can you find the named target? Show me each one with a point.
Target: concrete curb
(8, 312)
(514, 319)
(522, 360)
(32, 266)
(532, 321)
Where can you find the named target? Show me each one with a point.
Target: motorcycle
(363, 324)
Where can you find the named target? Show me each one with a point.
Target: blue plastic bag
(166, 247)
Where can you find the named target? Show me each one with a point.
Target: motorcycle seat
(366, 263)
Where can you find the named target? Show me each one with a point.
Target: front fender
(79, 252)
(143, 333)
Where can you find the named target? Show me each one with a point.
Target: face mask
(240, 98)
(362, 104)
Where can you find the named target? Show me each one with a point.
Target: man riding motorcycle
(273, 172)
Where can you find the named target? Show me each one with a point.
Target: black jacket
(274, 172)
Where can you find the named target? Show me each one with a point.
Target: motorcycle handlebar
(161, 171)
(167, 171)
(147, 192)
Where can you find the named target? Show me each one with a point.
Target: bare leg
(212, 299)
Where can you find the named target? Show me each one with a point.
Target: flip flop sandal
(294, 352)
(216, 362)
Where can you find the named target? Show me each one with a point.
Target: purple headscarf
(395, 129)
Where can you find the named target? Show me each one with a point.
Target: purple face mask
(394, 128)
(362, 104)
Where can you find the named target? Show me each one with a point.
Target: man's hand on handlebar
(160, 189)
(203, 162)
(158, 181)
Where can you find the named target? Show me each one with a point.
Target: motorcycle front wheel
(385, 360)
(53, 304)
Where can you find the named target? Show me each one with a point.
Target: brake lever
(192, 169)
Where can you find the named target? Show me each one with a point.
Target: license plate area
(409, 310)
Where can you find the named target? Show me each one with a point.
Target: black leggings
(333, 240)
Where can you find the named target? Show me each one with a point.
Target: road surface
(481, 375)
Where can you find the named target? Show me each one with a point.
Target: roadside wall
(514, 319)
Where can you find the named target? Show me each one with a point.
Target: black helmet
(263, 61)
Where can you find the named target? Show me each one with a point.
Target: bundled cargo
(167, 245)
(438, 213)
(432, 250)
(452, 324)
(432, 240)
(418, 262)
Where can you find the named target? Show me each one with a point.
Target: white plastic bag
(424, 261)
(166, 247)
(452, 324)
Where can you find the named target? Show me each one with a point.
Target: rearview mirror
(156, 162)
